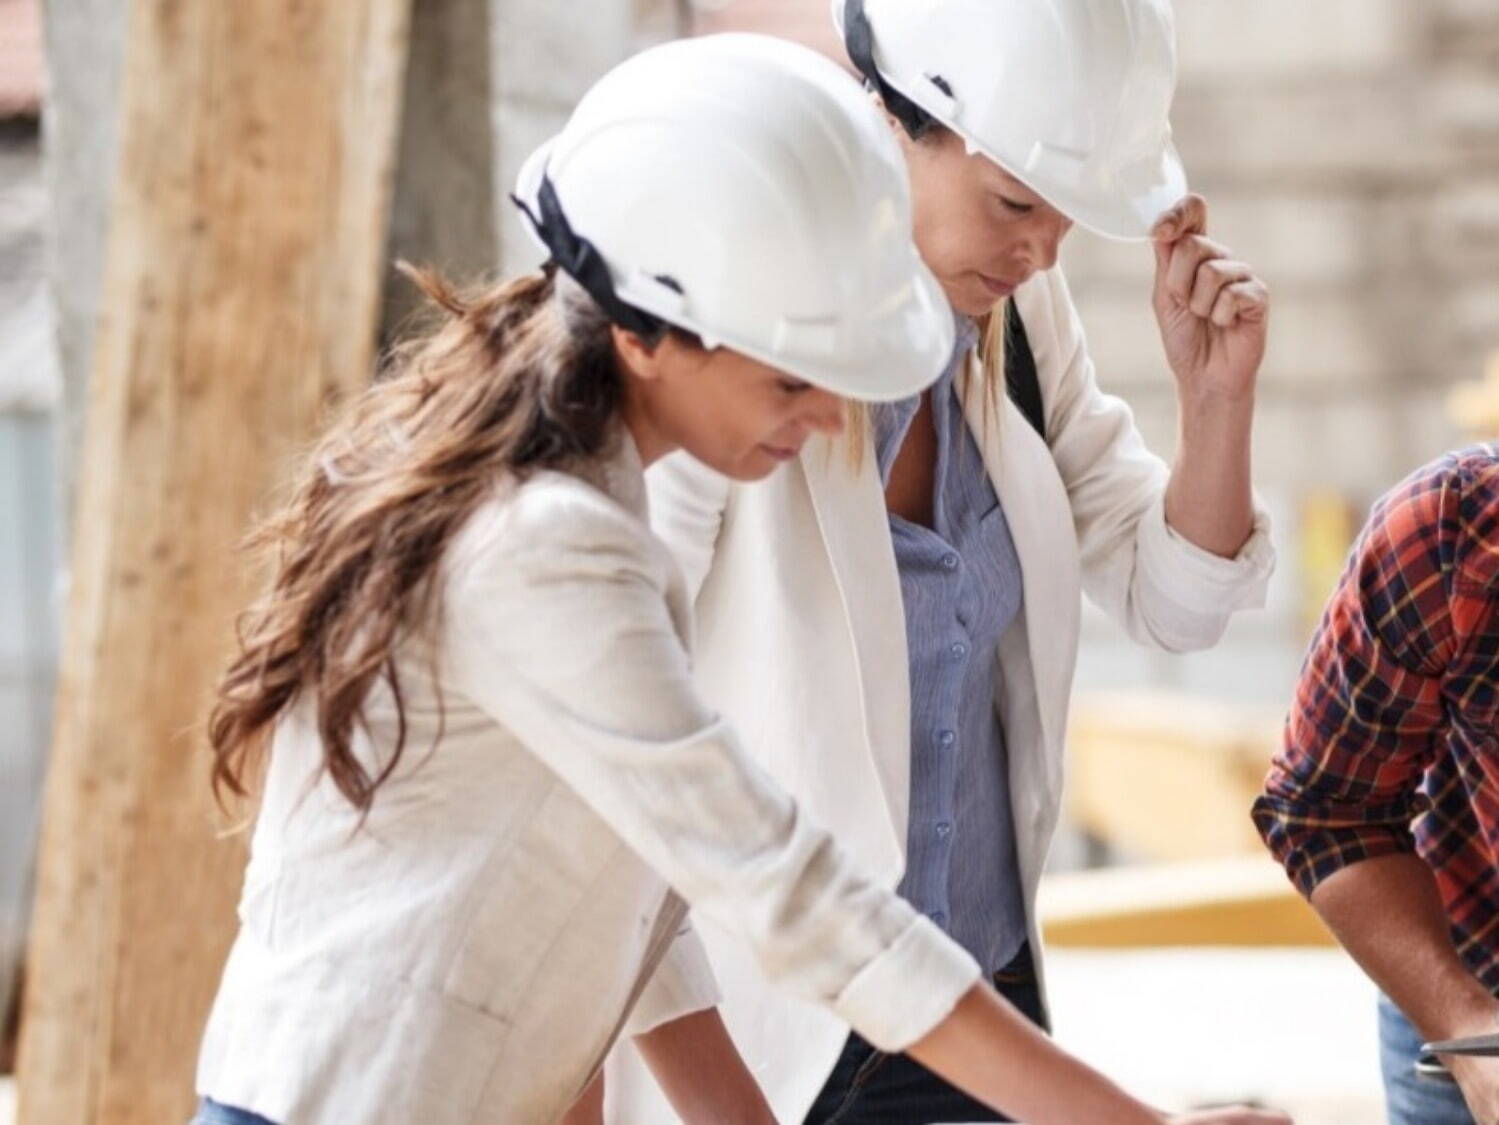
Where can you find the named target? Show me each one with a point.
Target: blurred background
(1349, 149)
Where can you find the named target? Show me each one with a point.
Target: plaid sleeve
(1368, 714)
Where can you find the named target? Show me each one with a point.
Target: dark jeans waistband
(1020, 970)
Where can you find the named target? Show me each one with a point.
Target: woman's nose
(1044, 240)
(824, 411)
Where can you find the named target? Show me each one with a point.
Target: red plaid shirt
(1392, 744)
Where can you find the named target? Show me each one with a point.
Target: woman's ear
(634, 356)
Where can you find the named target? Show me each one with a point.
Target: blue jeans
(1410, 1098)
(211, 1113)
(868, 1087)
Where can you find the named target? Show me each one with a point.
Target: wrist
(1211, 402)
(1477, 1014)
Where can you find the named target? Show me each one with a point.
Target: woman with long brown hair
(488, 775)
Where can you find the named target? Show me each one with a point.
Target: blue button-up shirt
(960, 580)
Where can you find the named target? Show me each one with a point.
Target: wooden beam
(240, 298)
(1226, 902)
(1205, 760)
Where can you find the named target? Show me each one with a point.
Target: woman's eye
(1015, 206)
(793, 386)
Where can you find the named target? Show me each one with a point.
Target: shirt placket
(953, 649)
(952, 658)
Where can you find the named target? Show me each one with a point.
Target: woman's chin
(975, 301)
(752, 469)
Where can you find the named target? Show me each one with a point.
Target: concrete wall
(489, 80)
(543, 56)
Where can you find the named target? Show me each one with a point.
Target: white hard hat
(745, 188)
(1071, 97)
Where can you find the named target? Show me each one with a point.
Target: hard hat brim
(1125, 214)
(902, 353)
(1122, 215)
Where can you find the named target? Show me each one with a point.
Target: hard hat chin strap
(858, 39)
(581, 260)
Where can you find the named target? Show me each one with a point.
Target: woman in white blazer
(931, 747)
(490, 775)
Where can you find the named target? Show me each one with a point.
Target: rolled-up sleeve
(1369, 715)
(561, 629)
(1199, 586)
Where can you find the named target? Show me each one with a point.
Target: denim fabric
(1409, 1098)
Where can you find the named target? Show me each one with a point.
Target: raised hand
(1212, 310)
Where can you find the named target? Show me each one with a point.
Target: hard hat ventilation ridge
(581, 260)
(858, 39)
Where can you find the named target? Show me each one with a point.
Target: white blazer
(802, 643)
(471, 951)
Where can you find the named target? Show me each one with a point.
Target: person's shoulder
(1443, 517)
(1475, 472)
(1442, 494)
(552, 520)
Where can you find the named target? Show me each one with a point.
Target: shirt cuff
(682, 983)
(1312, 852)
(1199, 581)
(909, 988)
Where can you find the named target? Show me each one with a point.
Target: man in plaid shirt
(1384, 803)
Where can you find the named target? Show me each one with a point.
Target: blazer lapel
(850, 507)
(1036, 507)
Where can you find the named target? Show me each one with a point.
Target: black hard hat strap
(858, 39)
(581, 260)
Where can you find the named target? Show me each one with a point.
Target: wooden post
(240, 297)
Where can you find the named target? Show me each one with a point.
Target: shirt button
(944, 830)
(959, 650)
(938, 917)
(950, 561)
(947, 737)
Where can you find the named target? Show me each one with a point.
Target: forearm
(991, 1051)
(1409, 953)
(589, 1108)
(701, 1072)
(1209, 499)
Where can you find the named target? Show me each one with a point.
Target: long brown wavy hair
(512, 378)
